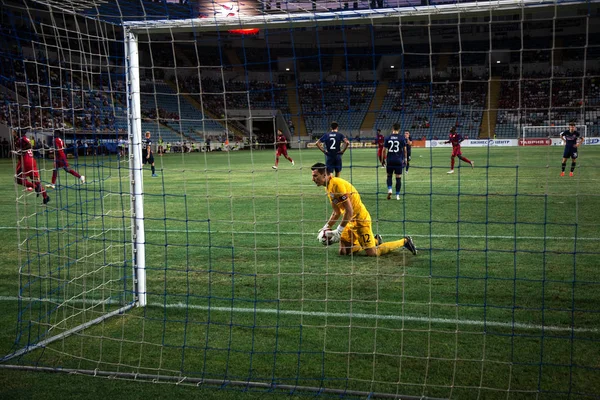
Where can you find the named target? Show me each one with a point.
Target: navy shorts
(570, 152)
(394, 169)
(333, 164)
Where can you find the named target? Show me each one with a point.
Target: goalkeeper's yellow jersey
(340, 191)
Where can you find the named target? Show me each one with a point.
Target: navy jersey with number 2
(332, 144)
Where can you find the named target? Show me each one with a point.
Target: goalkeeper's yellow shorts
(359, 235)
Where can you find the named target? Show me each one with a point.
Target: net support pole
(79, 328)
(134, 126)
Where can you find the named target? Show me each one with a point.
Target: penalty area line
(359, 316)
(383, 317)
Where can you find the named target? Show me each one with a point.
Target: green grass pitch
(501, 301)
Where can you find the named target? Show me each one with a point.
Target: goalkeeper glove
(326, 226)
(322, 232)
(336, 234)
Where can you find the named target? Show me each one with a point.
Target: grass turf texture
(507, 265)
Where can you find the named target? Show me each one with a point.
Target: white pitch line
(380, 317)
(593, 239)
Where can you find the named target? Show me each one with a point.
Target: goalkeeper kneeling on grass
(354, 233)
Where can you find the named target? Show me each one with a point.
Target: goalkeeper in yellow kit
(354, 233)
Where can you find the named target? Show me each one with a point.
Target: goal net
(188, 251)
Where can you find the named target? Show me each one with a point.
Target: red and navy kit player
(60, 160)
(456, 139)
(333, 144)
(395, 159)
(408, 139)
(571, 140)
(380, 146)
(281, 143)
(148, 156)
(27, 167)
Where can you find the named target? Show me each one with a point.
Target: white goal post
(549, 131)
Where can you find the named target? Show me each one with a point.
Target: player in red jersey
(380, 147)
(60, 160)
(27, 167)
(456, 139)
(281, 144)
(409, 143)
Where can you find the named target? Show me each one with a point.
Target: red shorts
(27, 167)
(281, 152)
(456, 151)
(380, 152)
(61, 162)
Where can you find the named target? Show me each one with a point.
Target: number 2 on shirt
(332, 147)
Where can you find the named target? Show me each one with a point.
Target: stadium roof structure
(238, 13)
(359, 16)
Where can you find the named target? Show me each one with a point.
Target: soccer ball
(325, 237)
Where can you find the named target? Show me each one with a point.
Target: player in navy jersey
(60, 160)
(456, 139)
(408, 139)
(148, 156)
(571, 140)
(281, 146)
(27, 167)
(394, 154)
(333, 145)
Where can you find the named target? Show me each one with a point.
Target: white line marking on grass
(381, 317)
(593, 239)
